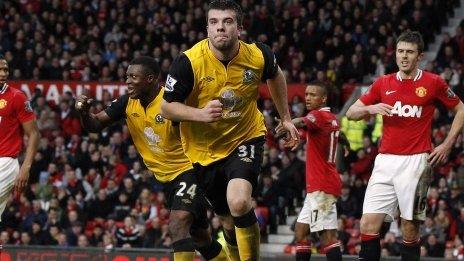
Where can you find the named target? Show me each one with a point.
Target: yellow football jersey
(155, 138)
(198, 77)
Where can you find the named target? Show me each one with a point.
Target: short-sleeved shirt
(408, 130)
(155, 138)
(323, 129)
(15, 109)
(197, 77)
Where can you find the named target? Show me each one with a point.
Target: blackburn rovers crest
(249, 76)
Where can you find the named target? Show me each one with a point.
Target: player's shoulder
(388, 77)
(256, 48)
(198, 51)
(426, 75)
(16, 93)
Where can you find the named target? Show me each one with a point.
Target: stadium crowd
(93, 190)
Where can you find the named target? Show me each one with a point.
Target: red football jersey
(321, 148)
(408, 131)
(14, 110)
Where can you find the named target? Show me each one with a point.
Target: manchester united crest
(2, 103)
(421, 91)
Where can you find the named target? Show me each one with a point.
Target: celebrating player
(323, 184)
(16, 118)
(212, 89)
(402, 170)
(158, 142)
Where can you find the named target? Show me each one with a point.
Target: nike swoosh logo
(389, 92)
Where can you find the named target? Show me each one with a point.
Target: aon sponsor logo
(406, 110)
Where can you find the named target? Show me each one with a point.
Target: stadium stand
(92, 189)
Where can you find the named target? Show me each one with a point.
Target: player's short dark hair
(321, 86)
(226, 5)
(412, 37)
(2, 57)
(149, 64)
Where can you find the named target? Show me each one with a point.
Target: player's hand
(290, 133)
(21, 180)
(83, 104)
(439, 154)
(380, 108)
(211, 112)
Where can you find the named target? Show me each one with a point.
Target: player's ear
(420, 56)
(151, 78)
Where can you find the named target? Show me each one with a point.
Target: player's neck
(225, 55)
(147, 99)
(409, 75)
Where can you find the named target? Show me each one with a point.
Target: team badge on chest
(421, 91)
(249, 76)
(159, 118)
(2, 103)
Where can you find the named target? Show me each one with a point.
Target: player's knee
(369, 225)
(328, 236)
(239, 205)
(410, 231)
(179, 224)
(301, 231)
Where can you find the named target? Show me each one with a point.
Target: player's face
(407, 57)
(4, 72)
(138, 81)
(223, 30)
(314, 97)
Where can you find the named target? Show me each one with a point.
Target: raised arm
(91, 122)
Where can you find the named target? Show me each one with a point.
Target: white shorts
(399, 180)
(319, 211)
(9, 170)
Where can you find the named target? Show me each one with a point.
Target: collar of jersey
(325, 109)
(418, 75)
(215, 58)
(3, 88)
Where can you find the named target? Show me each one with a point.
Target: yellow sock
(248, 242)
(231, 252)
(184, 256)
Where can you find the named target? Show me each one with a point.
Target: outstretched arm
(91, 122)
(278, 90)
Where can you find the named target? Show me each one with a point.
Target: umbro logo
(134, 114)
(246, 159)
(207, 79)
(389, 92)
(186, 201)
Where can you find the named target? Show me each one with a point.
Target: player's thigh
(380, 197)
(415, 178)
(9, 170)
(323, 211)
(244, 163)
(214, 182)
(184, 194)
